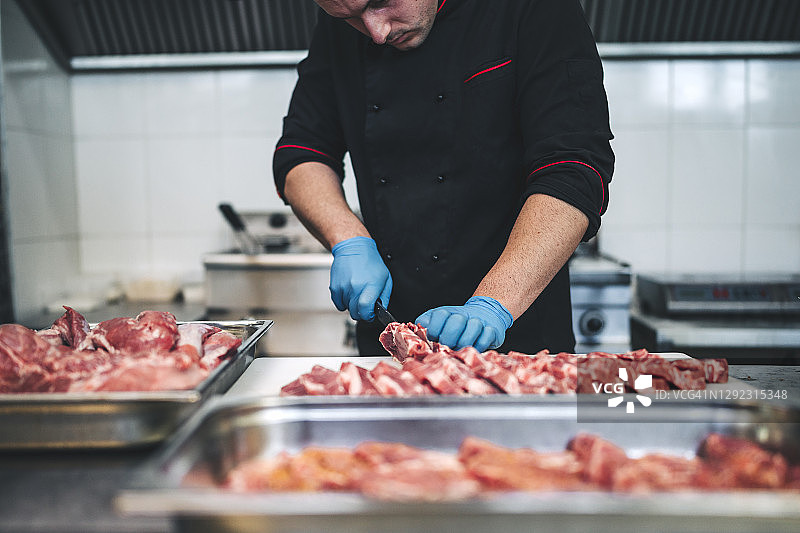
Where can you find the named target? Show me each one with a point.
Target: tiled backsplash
(118, 175)
(39, 168)
(184, 142)
(706, 179)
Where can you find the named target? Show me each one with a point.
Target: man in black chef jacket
(479, 135)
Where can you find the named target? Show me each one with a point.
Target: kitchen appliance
(247, 243)
(272, 232)
(600, 290)
(748, 319)
(287, 282)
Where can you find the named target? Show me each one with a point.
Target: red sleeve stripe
(602, 188)
(441, 6)
(487, 70)
(302, 148)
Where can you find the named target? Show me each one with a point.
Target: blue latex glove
(481, 322)
(359, 277)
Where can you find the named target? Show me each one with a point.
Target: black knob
(278, 220)
(592, 322)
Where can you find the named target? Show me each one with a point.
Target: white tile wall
(40, 171)
(638, 92)
(639, 191)
(112, 188)
(254, 101)
(184, 183)
(717, 201)
(28, 186)
(176, 256)
(761, 253)
(123, 257)
(57, 102)
(181, 104)
(108, 105)
(646, 248)
(725, 143)
(177, 144)
(773, 89)
(45, 274)
(708, 92)
(703, 158)
(773, 184)
(705, 250)
(246, 173)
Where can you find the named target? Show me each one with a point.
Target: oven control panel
(666, 296)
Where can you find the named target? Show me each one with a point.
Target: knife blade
(382, 315)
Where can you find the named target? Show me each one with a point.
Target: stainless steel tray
(118, 419)
(181, 480)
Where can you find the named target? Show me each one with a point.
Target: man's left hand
(481, 322)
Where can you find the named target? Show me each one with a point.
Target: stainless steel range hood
(108, 34)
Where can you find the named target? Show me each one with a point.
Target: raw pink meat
(406, 340)
(149, 352)
(72, 326)
(396, 471)
(442, 370)
(150, 330)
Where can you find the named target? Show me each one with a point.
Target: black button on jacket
(504, 99)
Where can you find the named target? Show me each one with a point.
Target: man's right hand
(359, 277)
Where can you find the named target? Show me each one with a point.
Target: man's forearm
(545, 235)
(316, 196)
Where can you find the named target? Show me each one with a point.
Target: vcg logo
(644, 381)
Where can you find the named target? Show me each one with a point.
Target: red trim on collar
(602, 188)
(441, 6)
(302, 148)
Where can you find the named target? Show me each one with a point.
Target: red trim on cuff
(302, 148)
(602, 184)
(487, 70)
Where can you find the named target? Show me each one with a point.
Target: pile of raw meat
(149, 352)
(395, 471)
(432, 368)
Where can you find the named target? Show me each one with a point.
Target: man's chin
(408, 41)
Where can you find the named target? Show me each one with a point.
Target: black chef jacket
(504, 99)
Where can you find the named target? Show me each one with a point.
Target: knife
(382, 315)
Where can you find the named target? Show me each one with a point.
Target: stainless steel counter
(770, 378)
(72, 492)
